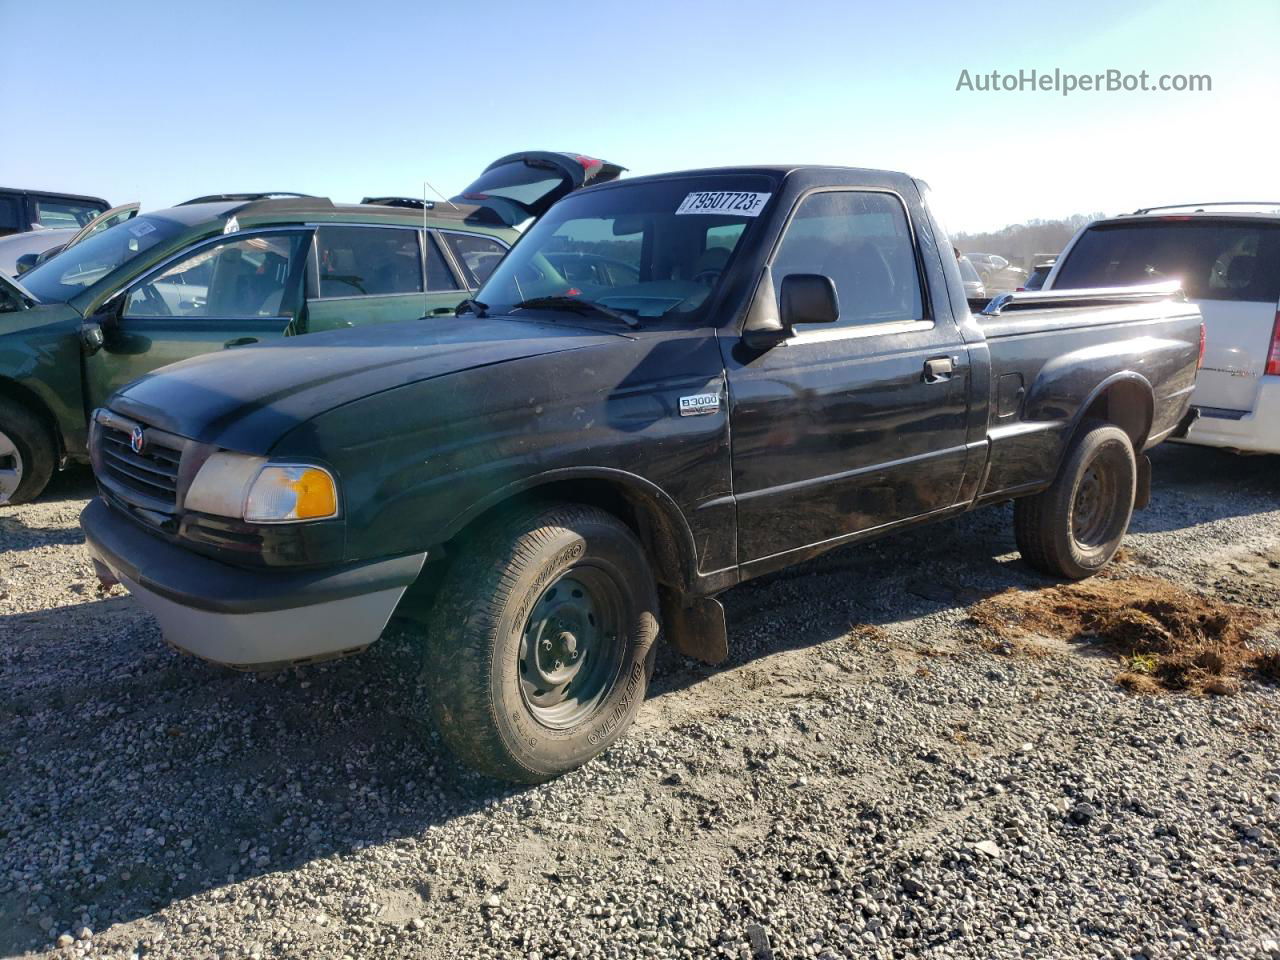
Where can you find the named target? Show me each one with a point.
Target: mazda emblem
(137, 441)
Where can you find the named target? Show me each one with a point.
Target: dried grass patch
(1166, 637)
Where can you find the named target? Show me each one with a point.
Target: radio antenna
(425, 184)
(426, 237)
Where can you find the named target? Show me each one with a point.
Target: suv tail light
(1273, 355)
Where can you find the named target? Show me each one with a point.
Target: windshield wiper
(481, 310)
(581, 306)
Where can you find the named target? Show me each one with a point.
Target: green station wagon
(205, 276)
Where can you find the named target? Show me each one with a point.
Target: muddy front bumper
(251, 619)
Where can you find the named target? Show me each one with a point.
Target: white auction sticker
(728, 202)
(141, 228)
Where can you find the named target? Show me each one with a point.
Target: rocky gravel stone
(868, 776)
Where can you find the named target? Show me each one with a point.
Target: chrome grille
(149, 478)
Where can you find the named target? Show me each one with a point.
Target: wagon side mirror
(92, 338)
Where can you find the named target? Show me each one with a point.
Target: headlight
(291, 492)
(256, 490)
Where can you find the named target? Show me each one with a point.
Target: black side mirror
(26, 262)
(92, 338)
(808, 298)
(98, 329)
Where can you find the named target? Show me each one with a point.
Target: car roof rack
(248, 197)
(1200, 207)
(411, 203)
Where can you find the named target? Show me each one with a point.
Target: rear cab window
(1214, 258)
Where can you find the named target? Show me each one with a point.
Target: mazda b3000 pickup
(671, 385)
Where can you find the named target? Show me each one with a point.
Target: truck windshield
(645, 249)
(73, 271)
(1214, 259)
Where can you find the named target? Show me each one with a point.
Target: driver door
(236, 290)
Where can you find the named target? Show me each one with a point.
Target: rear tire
(542, 642)
(1075, 527)
(28, 454)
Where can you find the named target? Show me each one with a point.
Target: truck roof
(56, 193)
(776, 171)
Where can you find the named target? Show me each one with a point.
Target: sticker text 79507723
(736, 203)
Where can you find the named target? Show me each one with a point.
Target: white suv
(1227, 256)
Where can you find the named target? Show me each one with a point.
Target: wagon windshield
(649, 249)
(77, 268)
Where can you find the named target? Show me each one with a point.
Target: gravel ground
(863, 778)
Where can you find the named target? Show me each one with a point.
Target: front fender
(670, 538)
(40, 367)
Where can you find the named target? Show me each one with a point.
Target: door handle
(240, 342)
(937, 370)
(442, 311)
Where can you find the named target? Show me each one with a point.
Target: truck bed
(1057, 356)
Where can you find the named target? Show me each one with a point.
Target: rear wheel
(27, 454)
(541, 642)
(1075, 527)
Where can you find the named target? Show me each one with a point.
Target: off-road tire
(34, 446)
(472, 656)
(1046, 525)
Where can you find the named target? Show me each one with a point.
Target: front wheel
(1074, 528)
(27, 454)
(542, 641)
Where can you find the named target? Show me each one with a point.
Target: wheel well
(1129, 406)
(31, 402)
(652, 522)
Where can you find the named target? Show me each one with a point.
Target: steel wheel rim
(1091, 508)
(10, 467)
(569, 649)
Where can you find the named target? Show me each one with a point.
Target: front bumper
(1257, 431)
(251, 619)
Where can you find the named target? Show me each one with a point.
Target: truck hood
(246, 398)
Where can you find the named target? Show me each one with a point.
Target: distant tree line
(1022, 243)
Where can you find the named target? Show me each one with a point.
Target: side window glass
(59, 214)
(368, 261)
(478, 255)
(863, 243)
(439, 275)
(240, 279)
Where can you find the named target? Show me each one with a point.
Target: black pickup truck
(671, 384)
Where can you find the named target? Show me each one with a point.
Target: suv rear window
(1214, 259)
(10, 218)
(55, 214)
